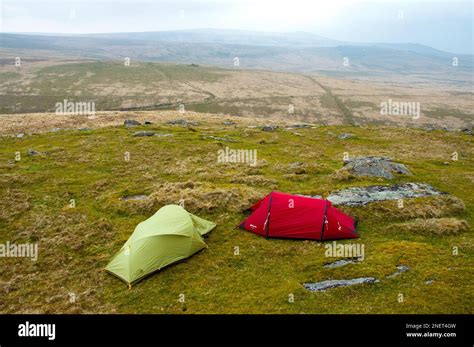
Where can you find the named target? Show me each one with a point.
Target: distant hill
(291, 52)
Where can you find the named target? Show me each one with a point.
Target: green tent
(171, 234)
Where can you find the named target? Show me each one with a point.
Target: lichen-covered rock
(375, 166)
(357, 196)
(322, 286)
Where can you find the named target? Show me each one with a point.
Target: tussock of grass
(196, 196)
(427, 207)
(432, 226)
(255, 180)
(13, 203)
(342, 175)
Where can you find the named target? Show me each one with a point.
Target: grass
(89, 166)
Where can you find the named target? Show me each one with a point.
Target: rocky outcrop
(374, 166)
(357, 196)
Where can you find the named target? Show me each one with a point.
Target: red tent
(299, 217)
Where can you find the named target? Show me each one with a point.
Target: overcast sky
(443, 24)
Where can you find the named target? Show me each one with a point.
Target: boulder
(358, 196)
(374, 166)
(131, 123)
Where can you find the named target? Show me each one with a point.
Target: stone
(131, 123)
(20, 136)
(344, 136)
(400, 269)
(134, 197)
(324, 285)
(228, 122)
(182, 122)
(341, 262)
(375, 166)
(269, 127)
(300, 126)
(224, 139)
(143, 133)
(358, 196)
(32, 152)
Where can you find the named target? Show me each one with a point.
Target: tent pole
(324, 220)
(268, 215)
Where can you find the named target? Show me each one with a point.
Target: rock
(31, 152)
(134, 197)
(84, 129)
(467, 131)
(20, 136)
(269, 127)
(164, 135)
(55, 130)
(400, 269)
(228, 122)
(182, 122)
(341, 262)
(148, 122)
(358, 196)
(144, 133)
(344, 136)
(429, 282)
(300, 126)
(218, 138)
(322, 286)
(375, 166)
(131, 123)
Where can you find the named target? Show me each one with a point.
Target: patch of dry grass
(432, 226)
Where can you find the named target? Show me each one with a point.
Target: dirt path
(348, 116)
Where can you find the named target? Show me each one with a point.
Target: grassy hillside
(76, 243)
(38, 86)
